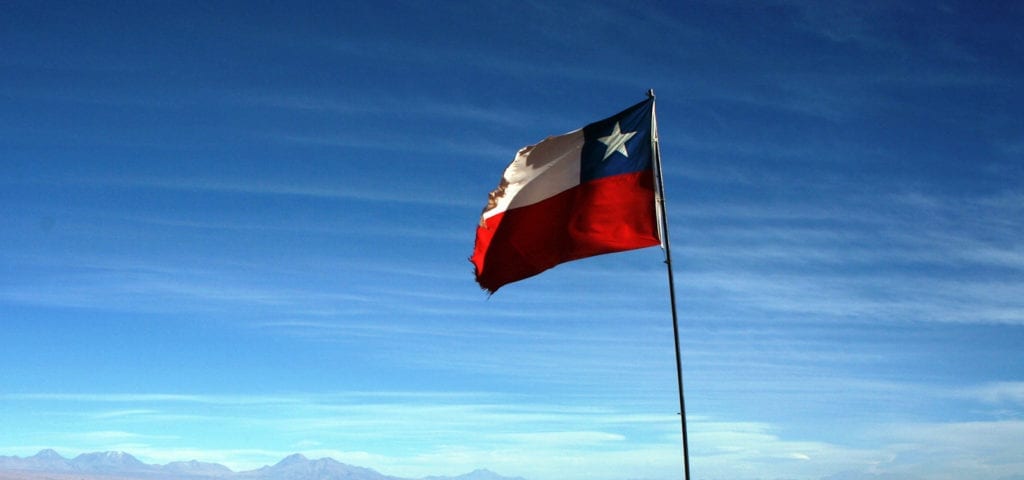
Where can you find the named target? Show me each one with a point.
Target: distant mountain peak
(46, 459)
(195, 467)
(47, 454)
(106, 461)
(103, 465)
(108, 454)
(293, 459)
(478, 474)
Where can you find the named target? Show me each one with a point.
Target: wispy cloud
(564, 438)
(263, 187)
(142, 398)
(893, 257)
(998, 393)
(123, 413)
(387, 106)
(394, 143)
(934, 450)
(114, 436)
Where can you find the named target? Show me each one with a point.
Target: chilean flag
(584, 193)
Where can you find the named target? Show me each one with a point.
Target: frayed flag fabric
(587, 192)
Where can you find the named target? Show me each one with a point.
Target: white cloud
(142, 398)
(979, 450)
(113, 438)
(955, 450)
(736, 450)
(576, 438)
(123, 413)
(998, 393)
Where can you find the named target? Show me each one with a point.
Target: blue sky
(239, 230)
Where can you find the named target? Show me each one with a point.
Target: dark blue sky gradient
(240, 230)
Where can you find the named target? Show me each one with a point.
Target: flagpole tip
(650, 93)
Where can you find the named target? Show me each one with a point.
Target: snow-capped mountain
(108, 462)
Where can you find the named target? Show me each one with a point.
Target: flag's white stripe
(540, 172)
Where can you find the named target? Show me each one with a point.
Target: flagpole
(663, 227)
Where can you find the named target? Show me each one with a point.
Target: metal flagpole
(663, 227)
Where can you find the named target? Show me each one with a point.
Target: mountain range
(48, 464)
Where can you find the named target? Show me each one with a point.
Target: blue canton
(600, 137)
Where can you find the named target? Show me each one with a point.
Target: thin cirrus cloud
(123, 413)
(109, 436)
(997, 393)
(385, 106)
(263, 187)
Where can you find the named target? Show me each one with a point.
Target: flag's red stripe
(608, 215)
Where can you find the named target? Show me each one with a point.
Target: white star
(616, 142)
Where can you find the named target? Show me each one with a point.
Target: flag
(587, 192)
